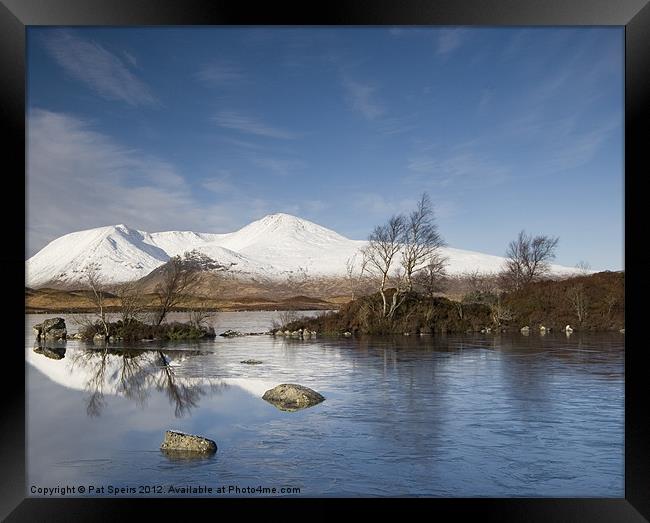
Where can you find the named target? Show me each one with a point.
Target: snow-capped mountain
(275, 246)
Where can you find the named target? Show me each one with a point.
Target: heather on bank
(590, 303)
(135, 330)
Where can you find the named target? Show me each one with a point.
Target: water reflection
(457, 415)
(52, 351)
(133, 374)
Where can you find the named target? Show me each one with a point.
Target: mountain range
(274, 247)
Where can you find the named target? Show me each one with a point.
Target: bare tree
(611, 300)
(584, 267)
(579, 301)
(383, 246)
(353, 274)
(500, 313)
(132, 306)
(420, 238)
(199, 316)
(98, 294)
(179, 276)
(479, 286)
(432, 277)
(459, 308)
(528, 258)
(399, 294)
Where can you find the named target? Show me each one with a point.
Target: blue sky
(207, 129)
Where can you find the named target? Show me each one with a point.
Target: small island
(587, 303)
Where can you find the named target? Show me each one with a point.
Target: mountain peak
(284, 223)
(282, 217)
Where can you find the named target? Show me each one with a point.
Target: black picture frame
(16, 15)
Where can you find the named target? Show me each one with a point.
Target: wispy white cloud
(78, 178)
(449, 40)
(398, 124)
(220, 183)
(458, 169)
(578, 148)
(249, 125)
(221, 73)
(101, 181)
(519, 40)
(382, 207)
(485, 99)
(99, 69)
(361, 97)
(131, 58)
(314, 206)
(403, 31)
(258, 147)
(279, 166)
(378, 204)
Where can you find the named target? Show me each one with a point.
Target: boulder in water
(51, 329)
(176, 441)
(291, 397)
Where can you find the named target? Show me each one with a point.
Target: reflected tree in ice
(133, 374)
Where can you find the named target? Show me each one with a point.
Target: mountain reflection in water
(133, 373)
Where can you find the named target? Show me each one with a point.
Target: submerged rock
(51, 329)
(180, 442)
(291, 397)
(251, 362)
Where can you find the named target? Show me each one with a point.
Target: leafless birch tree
(132, 306)
(353, 274)
(421, 240)
(383, 246)
(431, 278)
(579, 301)
(98, 294)
(528, 258)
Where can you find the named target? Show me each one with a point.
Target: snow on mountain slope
(277, 245)
(122, 254)
(177, 242)
(291, 244)
(284, 227)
